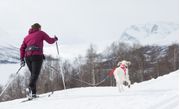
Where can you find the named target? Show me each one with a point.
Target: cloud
(81, 22)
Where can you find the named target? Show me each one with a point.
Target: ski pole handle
(55, 38)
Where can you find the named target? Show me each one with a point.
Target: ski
(38, 96)
(50, 94)
(26, 100)
(29, 99)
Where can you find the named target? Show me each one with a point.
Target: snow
(160, 40)
(154, 33)
(160, 93)
(170, 39)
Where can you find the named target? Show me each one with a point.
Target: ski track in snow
(160, 93)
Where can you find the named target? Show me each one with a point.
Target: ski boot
(35, 96)
(29, 93)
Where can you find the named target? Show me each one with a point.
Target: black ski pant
(34, 64)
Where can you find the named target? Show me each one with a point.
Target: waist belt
(33, 48)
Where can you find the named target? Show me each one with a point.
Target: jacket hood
(32, 30)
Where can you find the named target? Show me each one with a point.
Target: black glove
(22, 63)
(55, 38)
(44, 57)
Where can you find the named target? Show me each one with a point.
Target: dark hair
(36, 26)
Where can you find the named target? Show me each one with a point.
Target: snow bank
(160, 93)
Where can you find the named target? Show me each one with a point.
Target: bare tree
(91, 58)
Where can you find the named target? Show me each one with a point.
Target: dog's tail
(111, 72)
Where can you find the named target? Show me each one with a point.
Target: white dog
(121, 74)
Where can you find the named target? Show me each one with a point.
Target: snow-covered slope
(159, 33)
(160, 93)
(9, 54)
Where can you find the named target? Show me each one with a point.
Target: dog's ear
(119, 63)
(129, 63)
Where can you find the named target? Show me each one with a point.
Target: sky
(79, 23)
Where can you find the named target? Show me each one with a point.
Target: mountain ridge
(158, 33)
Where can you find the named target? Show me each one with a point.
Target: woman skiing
(31, 52)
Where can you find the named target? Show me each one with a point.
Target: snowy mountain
(9, 54)
(160, 93)
(159, 33)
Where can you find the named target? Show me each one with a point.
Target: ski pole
(61, 67)
(10, 82)
(64, 85)
(57, 47)
(62, 77)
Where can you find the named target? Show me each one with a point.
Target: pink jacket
(36, 38)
